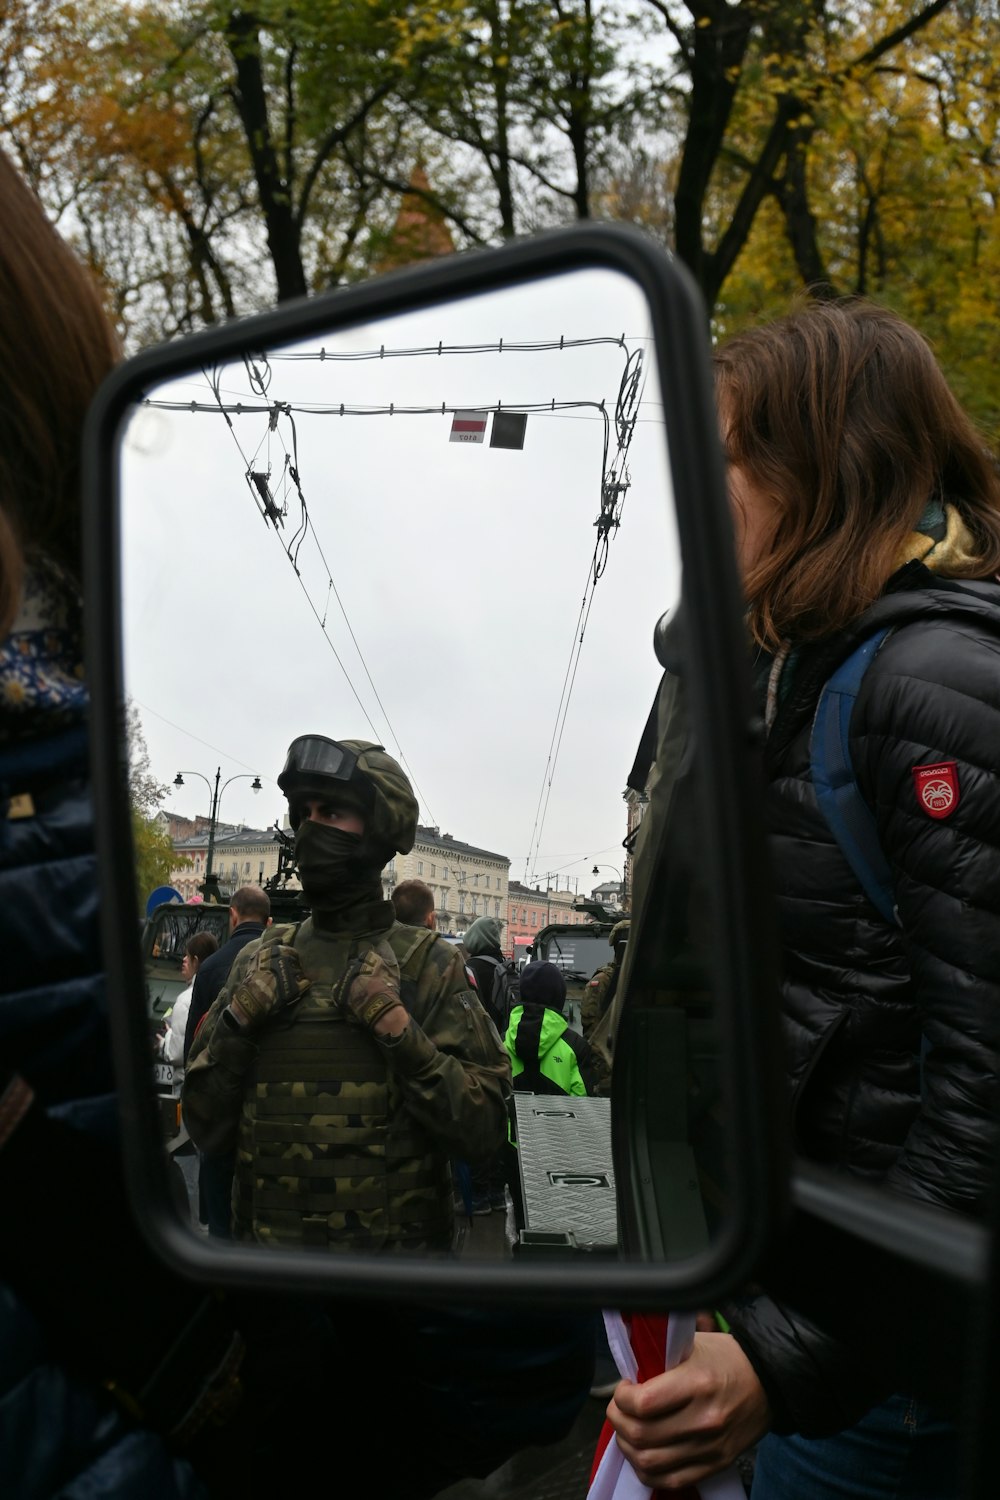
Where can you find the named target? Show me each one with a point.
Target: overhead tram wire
(257, 381)
(613, 493)
(501, 346)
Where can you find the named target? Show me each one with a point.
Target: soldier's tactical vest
(327, 1155)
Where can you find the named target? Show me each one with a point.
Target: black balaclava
(340, 886)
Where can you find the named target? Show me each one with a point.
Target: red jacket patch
(937, 788)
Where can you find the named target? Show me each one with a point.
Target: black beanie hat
(543, 984)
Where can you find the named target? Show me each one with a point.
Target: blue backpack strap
(847, 814)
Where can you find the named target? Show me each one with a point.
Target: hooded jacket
(546, 1055)
(482, 943)
(892, 1032)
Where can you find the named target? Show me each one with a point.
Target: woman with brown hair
(864, 500)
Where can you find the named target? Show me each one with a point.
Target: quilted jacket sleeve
(931, 699)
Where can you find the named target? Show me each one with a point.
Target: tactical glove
(274, 982)
(373, 991)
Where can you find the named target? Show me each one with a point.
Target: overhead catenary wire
(613, 491)
(261, 382)
(615, 482)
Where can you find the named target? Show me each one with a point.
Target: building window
(461, 902)
(475, 906)
(475, 879)
(432, 872)
(420, 867)
(444, 872)
(496, 908)
(534, 919)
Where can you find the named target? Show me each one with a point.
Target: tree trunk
(274, 190)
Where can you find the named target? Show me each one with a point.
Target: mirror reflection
(389, 599)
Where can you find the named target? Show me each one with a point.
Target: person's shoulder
(436, 969)
(414, 947)
(957, 654)
(246, 932)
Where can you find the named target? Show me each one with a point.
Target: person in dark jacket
(482, 943)
(485, 959)
(100, 1375)
(249, 915)
(547, 1056)
(862, 497)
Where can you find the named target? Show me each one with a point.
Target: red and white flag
(468, 427)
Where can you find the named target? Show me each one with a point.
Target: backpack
(848, 816)
(506, 991)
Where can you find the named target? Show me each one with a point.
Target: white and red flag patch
(937, 787)
(468, 427)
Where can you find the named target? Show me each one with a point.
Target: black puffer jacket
(892, 1033)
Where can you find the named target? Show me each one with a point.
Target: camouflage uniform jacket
(595, 997)
(343, 1141)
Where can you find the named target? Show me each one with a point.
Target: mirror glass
(450, 532)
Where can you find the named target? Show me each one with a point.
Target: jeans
(216, 1189)
(899, 1451)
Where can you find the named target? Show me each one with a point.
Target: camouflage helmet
(392, 823)
(363, 776)
(619, 932)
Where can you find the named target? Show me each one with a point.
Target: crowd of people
(337, 1068)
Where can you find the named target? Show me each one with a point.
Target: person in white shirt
(196, 949)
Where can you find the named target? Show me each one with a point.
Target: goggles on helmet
(312, 756)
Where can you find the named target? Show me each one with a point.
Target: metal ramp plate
(566, 1177)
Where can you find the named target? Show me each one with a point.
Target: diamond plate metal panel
(567, 1180)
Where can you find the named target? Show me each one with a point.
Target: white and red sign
(937, 788)
(468, 427)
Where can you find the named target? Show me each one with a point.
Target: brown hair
(841, 417)
(56, 346)
(251, 903)
(413, 902)
(200, 945)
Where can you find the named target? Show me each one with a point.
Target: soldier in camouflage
(347, 1057)
(600, 990)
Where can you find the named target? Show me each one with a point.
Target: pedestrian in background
(249, 916)
(547, 1056)
(413, 903)
(197, 948)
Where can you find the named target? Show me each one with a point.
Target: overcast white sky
(461, 570)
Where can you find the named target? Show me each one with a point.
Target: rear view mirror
(444, 511)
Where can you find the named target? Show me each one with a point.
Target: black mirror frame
(730, 755)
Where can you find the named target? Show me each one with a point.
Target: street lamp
(210, 888)
(621, 879)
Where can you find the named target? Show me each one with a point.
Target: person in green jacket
(547, 1055)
